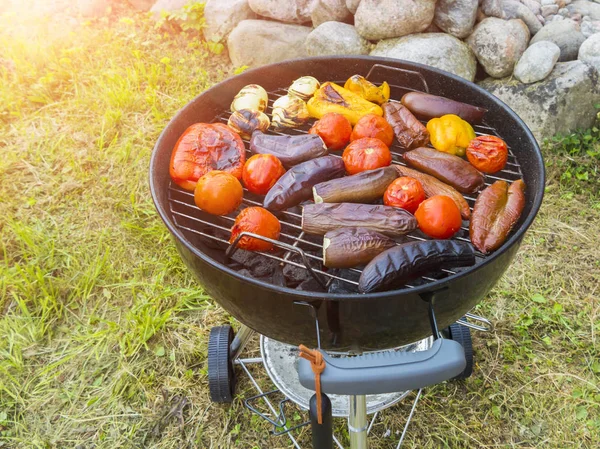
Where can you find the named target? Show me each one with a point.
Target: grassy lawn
(103, 331)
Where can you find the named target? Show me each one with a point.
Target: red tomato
(204, 147)
(260, 172)
(218, 193)
(406, 193)
(439, 217)
(375, 126)
(366, 154)
(334, 129)
(258, 221)
(487, 153)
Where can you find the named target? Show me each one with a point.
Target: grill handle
(382, 67)
(387, 372)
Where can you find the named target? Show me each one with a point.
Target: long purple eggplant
(350, 247)
(290, 150)
(427, 106)
(400, 264)
(296, 184)
(362, 187)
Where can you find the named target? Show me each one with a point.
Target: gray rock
(590, 51)
(435, 49)
(381, 19)
(585, 8)
(548, 10)
(222, 16)
(456, 17)
(512, 9)
(590, 27)
(548, 2)
(537, 62)
(480, 15)
(498, 44)
(335, 38)
(564, 12)
(292, 11)
(329, 11)
(352, 5)
(433, 28)
(562, 102)
(564, 33)
(140, 5)
(555, 18)
(259, 42)
(532, 5)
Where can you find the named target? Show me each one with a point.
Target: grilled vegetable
(349, 247)
(257, 221)
(304, 87)
(409, 131)
(204, 147)
(366, 89)
(363, 187)
(450, 134)
(400, 264)
(446, 167)
(487, 153)
(426, 106)
(246, 121)
(433, 186)
(496, 211)
(297, 183)
(374, 126)
(261, 172)
(334, 129)
(252, 96)
(406, 193)
(289, 112)
(438, 217)
(218, 193)
(290, 150)
(321, 218)
(366, 154)
(333, 98)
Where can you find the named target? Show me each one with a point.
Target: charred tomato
(366, 154)
(218, 193)
(372, 125)
(334, 129)
(487, 154)
(439, 217)
(256, 220)
(261, 172)
(406, 193)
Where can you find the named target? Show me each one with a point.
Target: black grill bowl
(366, 322)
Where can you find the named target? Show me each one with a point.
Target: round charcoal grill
(290, 298)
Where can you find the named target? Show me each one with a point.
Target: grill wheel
(462, 335)
(221, 376)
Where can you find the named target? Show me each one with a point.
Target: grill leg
(357, 422)
(242, 337)
(322, 434)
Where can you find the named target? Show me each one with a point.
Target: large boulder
(456, 17)
(590, 51)
(293, 11)
(564, 101)
(382, 19)
(537, 62)
(335, 38)
(498, 44)
(352, 5)
(585, 8)
(259, 42)
(222, 16)
(590, 27)
(435, 49)
(329, 11)
(512, 9)
(564, 33)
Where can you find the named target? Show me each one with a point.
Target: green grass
(102, 329)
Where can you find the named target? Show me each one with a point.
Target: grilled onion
(289, 112)
(252, 96)
(245, 122)
(304, 87)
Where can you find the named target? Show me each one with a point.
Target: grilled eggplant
(296, 184)
(426, 106)
(496, 211)
(246, 121)
(447, 168)
(290, 150)
(363, 187)
(409, 131)
(400, 264)
(350, 247)
(322, 218)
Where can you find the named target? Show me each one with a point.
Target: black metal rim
(514, 239)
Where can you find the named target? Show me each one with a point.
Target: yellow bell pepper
(333, 98)
(450, 134)
(366, 89)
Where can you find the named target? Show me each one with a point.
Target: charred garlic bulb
(289, 112)
(245, 122)
(304, 87)
(252, 96)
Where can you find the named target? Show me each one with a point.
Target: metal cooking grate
(302, 250)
